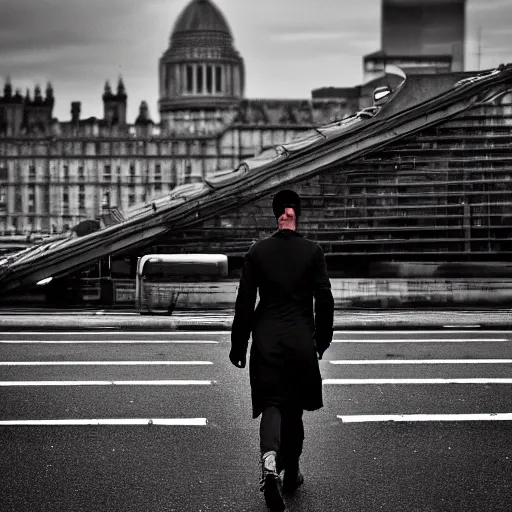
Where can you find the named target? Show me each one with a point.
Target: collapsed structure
(420, 180)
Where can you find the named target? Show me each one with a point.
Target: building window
(158, 178)
(18, 201)
(65, 200)
(81, 198)
(209, 79)
(174, 173)
(105, 200)
(3, 196)
(190, 79)
(31, 199)
(32, 172)
(200, 79)
(188, 171)
(131, 198)
(46, 199)
(132, 173)
(66, 172)
(218, 79)
(4, 175)
(107, 173)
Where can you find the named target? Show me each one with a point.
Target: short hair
(286, 199)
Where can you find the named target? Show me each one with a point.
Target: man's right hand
(237, 360)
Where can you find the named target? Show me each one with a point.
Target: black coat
(289, 272)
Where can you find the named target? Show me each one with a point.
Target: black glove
(237, 360)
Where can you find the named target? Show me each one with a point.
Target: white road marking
(476, 326)
(133, 421)
(108, 383)
(172, 332)
(98, 331)
(426, 417)
(421, 340)
(421, 361)
(425, 331)
(348, 382)
(110, 341)
(102, 363)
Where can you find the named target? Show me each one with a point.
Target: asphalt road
(450, 451)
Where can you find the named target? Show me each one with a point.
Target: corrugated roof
(418, 103)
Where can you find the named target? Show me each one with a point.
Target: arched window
(209, 79)
(218, 79)
(200, 79)
(190, 79)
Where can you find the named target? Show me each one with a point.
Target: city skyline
(77, 46)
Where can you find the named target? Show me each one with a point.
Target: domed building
(201, 74)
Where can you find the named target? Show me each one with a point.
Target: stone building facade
(55, 174)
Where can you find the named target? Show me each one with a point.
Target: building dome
(201, 70)
(201, 16)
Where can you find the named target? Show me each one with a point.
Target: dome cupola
(201, 16)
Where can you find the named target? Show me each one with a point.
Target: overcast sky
(289, 46)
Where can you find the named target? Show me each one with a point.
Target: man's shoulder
(269, 241)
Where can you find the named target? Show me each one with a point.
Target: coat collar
(286, 233)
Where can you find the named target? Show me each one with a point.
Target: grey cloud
(47, 25)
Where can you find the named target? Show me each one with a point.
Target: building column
(227, 74)
(183, 78)
(177, 72)
(236, 81)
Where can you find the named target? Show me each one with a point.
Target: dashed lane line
(419, 361)
(105, 363)
(112, 341)
(123, 421)
(425, 417)
(421, 340)
(99, 331)
(425, 331)
(351, 382)
(107, 383)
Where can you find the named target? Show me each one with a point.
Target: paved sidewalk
(221, 320)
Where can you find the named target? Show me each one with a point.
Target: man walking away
(289, 335)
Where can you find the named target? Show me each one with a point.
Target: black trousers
(282, 431)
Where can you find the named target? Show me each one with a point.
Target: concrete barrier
(382, 293)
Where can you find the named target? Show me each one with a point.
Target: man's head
(286, 207)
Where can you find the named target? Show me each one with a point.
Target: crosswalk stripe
(111, 341)
(108, 383)
(424, 331)
(104, 363)
(425, 417)
(123, 421)
(112, 330)
(419, 361)
(420, 340)
(349, 382)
